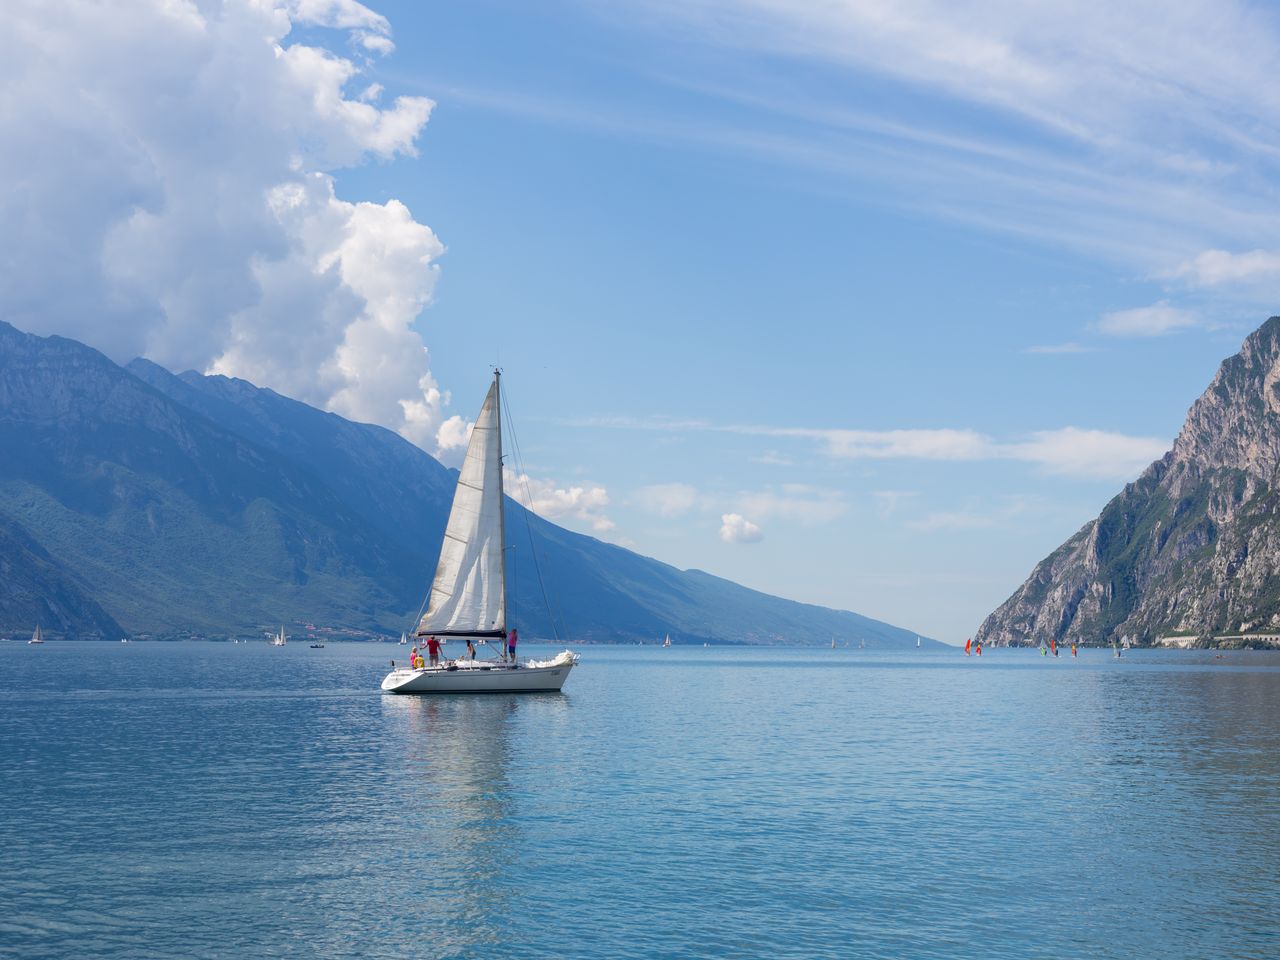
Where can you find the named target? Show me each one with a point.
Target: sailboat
(917, 641)
(404, 638)
(667, 642)
(469, 593)
(279, 639)
(37, 637)
(833, 643)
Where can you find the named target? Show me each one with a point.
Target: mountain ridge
(187, 503)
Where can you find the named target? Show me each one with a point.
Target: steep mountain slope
(171, 522)
(35, 590)
(197, 503)
(1193, 545)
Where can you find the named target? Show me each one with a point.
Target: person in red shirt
(433, 648)
(511, 644)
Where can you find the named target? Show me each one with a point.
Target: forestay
(468, 595)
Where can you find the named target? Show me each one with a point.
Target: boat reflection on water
(462, 762)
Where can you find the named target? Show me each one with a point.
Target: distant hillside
(1192, 547)
(152, 503)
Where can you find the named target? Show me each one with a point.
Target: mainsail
(468, 595)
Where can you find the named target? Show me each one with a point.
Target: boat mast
(502, 512)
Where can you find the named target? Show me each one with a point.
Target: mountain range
(1191, 549)
(134, 501)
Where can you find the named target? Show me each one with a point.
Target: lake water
(218, 800)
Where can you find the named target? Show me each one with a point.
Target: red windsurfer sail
(966, 646)
(1053, 646)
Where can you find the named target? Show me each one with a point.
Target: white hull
(483, 677)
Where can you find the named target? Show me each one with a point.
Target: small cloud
(371, 93)
(1052, 348)
(666, 499)
(1214, 267)
(376, 43)
(1153, 321)
(735, 528)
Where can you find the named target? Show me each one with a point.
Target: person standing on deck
(511, 645)
(471, 649)
(433, 648)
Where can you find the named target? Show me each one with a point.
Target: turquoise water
(217, 800)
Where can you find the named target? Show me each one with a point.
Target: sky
(863, 303)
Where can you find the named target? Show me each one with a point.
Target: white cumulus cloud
(735, 528)
(554, 501)
(169, 193)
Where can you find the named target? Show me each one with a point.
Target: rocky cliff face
(1192, 546)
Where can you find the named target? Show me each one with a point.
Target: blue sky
(865, 304)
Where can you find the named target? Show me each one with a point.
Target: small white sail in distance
(468, 594)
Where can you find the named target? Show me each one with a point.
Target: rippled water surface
(218, 800)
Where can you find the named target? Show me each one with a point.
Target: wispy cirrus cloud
(1059, 348)
(1157, 320)
(975, 517)
(1134, 131)
(666, 499)
(1068, 451)
(1212, 268)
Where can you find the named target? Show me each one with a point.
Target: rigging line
(533, 550)
(418, 619)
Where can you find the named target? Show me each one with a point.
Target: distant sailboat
(404, 638)
(279, 639)
(667, 642)
(917, 641)
(37, 637)
(833, 643)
